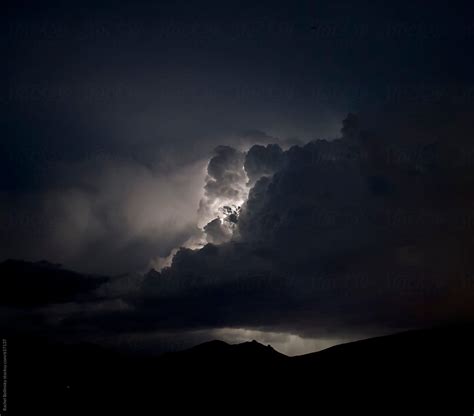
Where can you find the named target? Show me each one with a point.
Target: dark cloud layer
(370, 230)
(358, 235)
(364, 234)
(24, 284)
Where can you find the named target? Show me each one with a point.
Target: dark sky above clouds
(131, 129)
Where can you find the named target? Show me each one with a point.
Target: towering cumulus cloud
(368, 231)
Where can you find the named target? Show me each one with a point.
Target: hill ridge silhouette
(414, 372)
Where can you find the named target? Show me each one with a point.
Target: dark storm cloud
(364, 234)
(263, 161)
(24, 284)
(372, 230)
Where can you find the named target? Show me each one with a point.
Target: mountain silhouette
(417, 372)
(216, 349)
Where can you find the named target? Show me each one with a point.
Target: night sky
(300, 173)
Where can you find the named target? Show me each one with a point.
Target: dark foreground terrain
(419, 372)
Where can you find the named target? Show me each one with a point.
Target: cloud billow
(338, 234)
(367, 233)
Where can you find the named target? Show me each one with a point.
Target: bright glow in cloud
(219, 206)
